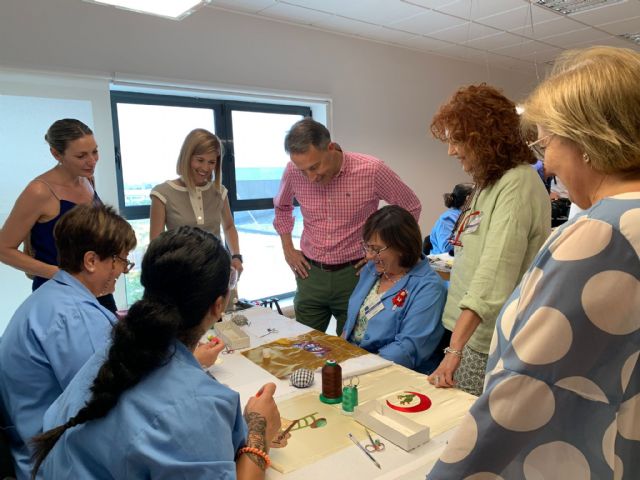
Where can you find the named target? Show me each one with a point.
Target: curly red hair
(487, 124)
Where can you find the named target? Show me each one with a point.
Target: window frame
(222, 111)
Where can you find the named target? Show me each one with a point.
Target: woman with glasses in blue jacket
(169, 418)
(396, 307)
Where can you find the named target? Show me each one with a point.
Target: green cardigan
(514, 221)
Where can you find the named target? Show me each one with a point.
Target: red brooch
(399, 299)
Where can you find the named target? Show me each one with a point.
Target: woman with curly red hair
(503, 223)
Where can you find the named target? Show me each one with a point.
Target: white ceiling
(514, 34)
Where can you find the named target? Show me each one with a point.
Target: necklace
(388, 277)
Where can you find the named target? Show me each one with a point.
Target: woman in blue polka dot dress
(562, 391)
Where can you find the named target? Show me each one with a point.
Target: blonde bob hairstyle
(199, 142)
(592, 97)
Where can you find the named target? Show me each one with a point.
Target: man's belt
(328, 267)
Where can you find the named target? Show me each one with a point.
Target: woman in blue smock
(47, 198)
(145, 408)
(440, 235)
(396, 307)
(61, 325)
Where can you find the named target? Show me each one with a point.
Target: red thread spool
(331, 382)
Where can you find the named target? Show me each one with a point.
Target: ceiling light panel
(567, 7)
(173, 9)
(633, 37)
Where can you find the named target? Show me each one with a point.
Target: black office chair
(427, 245)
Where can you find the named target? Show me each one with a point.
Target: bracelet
(457, 353)
(258, 452)
(238, 256)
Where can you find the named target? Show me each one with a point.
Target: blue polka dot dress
(562, 391)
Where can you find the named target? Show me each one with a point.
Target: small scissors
(375, 445)
(269, 332)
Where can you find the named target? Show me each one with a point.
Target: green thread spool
(331, 382)
(349, 398)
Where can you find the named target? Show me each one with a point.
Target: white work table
(244, 376)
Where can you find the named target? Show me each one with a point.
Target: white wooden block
(232, 335)
(394, 426)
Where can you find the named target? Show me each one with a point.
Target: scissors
(269, 332)
(375, 445)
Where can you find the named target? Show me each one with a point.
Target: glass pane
(261, 251)
(266, 274)
(132, 279)
(258, 142)
(150, 141)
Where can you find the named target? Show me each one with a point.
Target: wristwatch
(238, 256)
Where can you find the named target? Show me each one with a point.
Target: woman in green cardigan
(503, 224)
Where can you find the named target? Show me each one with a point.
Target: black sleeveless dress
(44, 248)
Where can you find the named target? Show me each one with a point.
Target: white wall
(382, 97)
(26, 154)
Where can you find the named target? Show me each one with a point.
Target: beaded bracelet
(258, 452)
(457, 353)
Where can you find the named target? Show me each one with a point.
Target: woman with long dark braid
(148, 410)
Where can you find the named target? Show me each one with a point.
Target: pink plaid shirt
(334, 214)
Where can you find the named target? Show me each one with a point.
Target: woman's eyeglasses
(128, 265)
(372, 249)
(537, 148)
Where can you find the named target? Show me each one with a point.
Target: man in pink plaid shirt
(337, 191)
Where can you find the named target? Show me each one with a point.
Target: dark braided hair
(184, 272)
(457, 198)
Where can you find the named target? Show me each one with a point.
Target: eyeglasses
(233, 278)
(537, 148)
(128, 265)
(370, 249)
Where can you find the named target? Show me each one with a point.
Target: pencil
(364, 450)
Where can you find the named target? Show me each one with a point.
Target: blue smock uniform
(409, 334)
(49, 338)
(441, 231)
(178, 422)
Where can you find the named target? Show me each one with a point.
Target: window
(149, 130)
